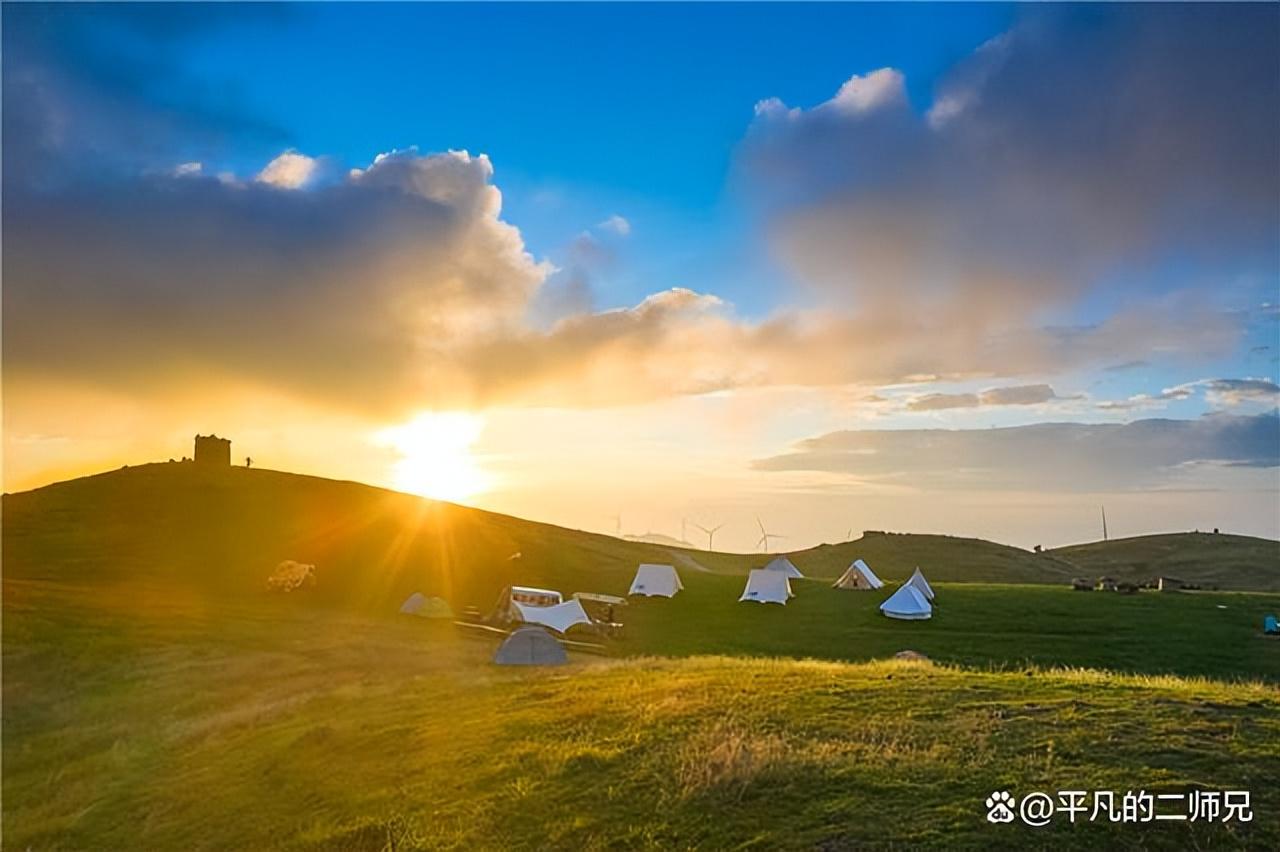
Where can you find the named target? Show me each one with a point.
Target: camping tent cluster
(540, 614)
(772, 584)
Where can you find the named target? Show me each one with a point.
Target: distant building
(213, 451)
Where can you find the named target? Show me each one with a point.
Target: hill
(227, 528)
(223, 530)
(162, 722)
(165, 530)
(1209, 559)
(943, 557)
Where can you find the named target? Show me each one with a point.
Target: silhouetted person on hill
(248, 462)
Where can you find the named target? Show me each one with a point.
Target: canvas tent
(859, 576)
(424, 607)
(921, 585)
(530, 646)
(783, 564)
(559, 617)
(907, 603)
(656, 581)
(765, 586)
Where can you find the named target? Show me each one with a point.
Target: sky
(962, 268)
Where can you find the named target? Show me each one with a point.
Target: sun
(435, 455)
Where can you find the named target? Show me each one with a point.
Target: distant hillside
(1227, 561)
(226, 529)
(942, 557)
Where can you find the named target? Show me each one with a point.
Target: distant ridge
(226, 528)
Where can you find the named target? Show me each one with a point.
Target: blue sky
(586, 111)
(726, 231)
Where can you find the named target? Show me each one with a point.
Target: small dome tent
(530, 646)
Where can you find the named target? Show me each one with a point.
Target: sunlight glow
(435, 455)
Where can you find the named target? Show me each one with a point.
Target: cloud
(1220, 393)
(1013, 395)
(290, 170)
(1233, 392)
(617, 225)
(1045, 457)
(943, 401)
(400, 286)
(353, 293)
(1018, 395)
(1078, 148)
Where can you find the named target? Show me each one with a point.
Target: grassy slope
(155, 697)
(1229, 561)
(137, 718)
(228, 528)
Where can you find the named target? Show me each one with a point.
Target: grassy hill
(1223, 560)
(215, 536)
(943, 557)
(156, 696)
(227, 528)
(148, 720)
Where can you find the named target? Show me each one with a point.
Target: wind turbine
(1104, 523)
(765, 535)
(617, 524)
(711, 534)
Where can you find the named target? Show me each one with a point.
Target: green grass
(136, 718)
(156, 697)
(973, 624)
(1228, 561)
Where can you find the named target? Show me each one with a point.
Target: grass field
(156, 697)
(137, 718)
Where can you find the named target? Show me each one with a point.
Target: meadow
(137, 718)
(157, 696)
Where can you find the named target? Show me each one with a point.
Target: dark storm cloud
(1087, 142)
(1045, 456)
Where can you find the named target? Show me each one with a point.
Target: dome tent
(530, 646)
